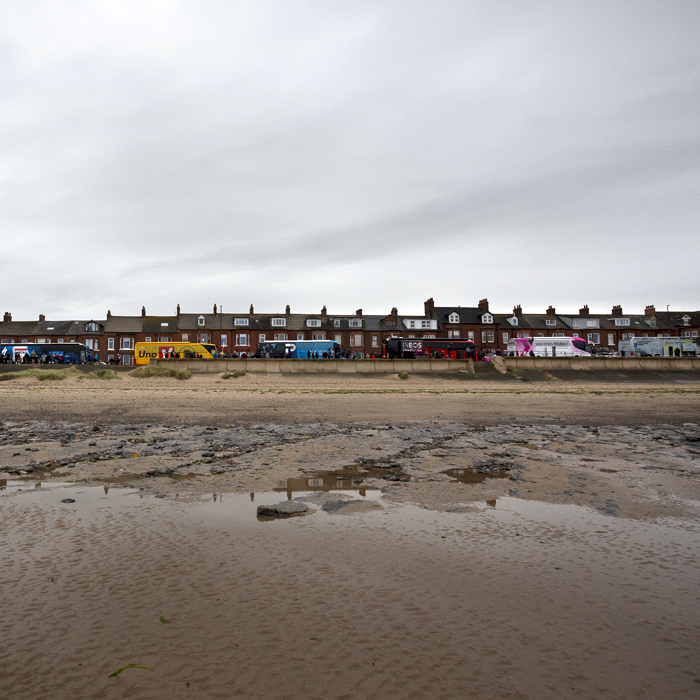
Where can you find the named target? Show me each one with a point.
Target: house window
(280, 322)
(693, 334)
(487, 318)
(240, 322)
(201, 320)
(125, 344)
(355, 323)
(426, 324)
(411, 324)
(411, 335)
(540, 335)
(453, 334)
(312, 323)
(594, 338)
(356, 340)
(261, 339)
(487, 336)
(622, 322)
(126, 359)
(611, 339)
(60, 340)
(164, 339)
(686, 320)
(92, 327)
(148, 338)
(280, 336)
(300, 336)
(505, 337)
(592, 323)
(453, 318)
(164, 324)
(429, 335)
(558, 335)
(336, 322)
(110, 358)
(318, 336)
(470, 336)
(224, 341)
(338, 338)
(185, 337)
(390, 323)
(24, 341)
(375, 341)
(551, 321)
(203, 337)
(244, 339)
(574, 323)
(44, 340)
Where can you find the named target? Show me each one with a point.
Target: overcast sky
(353, 154)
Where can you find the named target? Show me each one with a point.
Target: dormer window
(622, 322)
(574, 323)
(551, 321)
(241, 322)
(336, 322)
(355, 323)
(313, 322)
(686, 320)
(201, 321)
(453, 318)
(487, 318)
(92, 327)
(279, 322)
(390, 323)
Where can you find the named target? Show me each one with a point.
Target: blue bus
(299, 349)
(52, 353)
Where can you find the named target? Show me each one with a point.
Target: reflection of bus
(659, 347)
(451, 349)
(62, 353)
(299, 349)
(549, 347)
(147, 351)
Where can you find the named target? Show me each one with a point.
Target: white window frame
(148, 339)
(574, 323)
(280, 337)
(243, 340)
(505, 337)
(318, 336)
(453, 333)
(224, 341)
(550, 321)
(487, 318)
(622, 322)
(313, 322)
(453, 318)
(185, 338)
(355, 323)
(201, 321)
(355, 340)
(241, 322)
(375, 341)
(611, 339)
(262, 338)
(279, 322)
(300, 336)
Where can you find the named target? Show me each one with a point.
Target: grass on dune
(147, 372)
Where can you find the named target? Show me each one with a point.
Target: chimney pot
(8, 317)
(584, 311)
(551, 311)
(358, 312)
(178, 310)
(617, 310)
(252, 311)
(429, 307)
(484, 304)
(109, 314)
(42, 318)
(287, 310)
(648, 311)
(214, 309)
(323, 311)
(143, 312)
(394, 311)
(517, 310)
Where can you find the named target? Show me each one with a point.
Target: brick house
(467, 323)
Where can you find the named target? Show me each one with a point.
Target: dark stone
(283, 509)
(68, 500)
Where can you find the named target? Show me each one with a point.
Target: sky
(348, 154)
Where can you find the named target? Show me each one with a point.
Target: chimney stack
(617, 310)
(323, 311)
(358, 312)
(214, 310)
(109, 314)
(7, 318)
(287, 310)
(178, 310)
(484, 304)
(517, 310)
(551, 311)
(252, 311)
(42, 318)
(648, 311)
(584, 311)
(143, 312)
(429, 307)
(394, 312)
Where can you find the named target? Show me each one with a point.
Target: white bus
(549, 347)
(659, 347)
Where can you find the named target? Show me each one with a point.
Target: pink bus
(549, 347)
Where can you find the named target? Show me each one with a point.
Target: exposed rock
(283, 509)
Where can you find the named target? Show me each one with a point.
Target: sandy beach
(461, 540)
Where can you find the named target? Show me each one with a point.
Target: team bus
(146, 351)
(55, 353)
(299, 349)
(549, 347)
(659, 347)
(408, 348)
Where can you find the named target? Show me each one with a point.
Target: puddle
(8, 486)
(348, 478)
(472, 476)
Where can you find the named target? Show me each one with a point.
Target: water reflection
(472, 476)
(352, 477)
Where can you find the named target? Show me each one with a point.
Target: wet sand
(526, 556)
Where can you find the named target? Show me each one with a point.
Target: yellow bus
(145, 351)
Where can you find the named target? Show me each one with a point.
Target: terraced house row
(360, 333)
